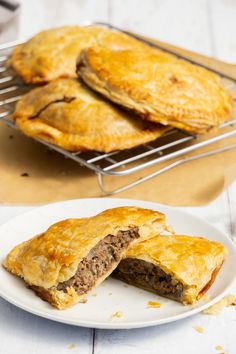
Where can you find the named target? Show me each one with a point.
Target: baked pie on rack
(158, 87)
(70, 115)
(52, 54)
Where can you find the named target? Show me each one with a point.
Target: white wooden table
(206, 26)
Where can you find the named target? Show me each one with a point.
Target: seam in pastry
(65, 99)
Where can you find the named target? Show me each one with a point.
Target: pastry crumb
(24, 174)
(117, 314)
(219, 347)
(198, 329)
(170, 229)
(83, 301)
(125, 285)
(71, 346)
(110, 294)
(94, 295)
(228, 300)
(153, 304)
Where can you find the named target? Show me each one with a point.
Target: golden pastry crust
(194, 261)
(68, 114)
(53, 257)
(52, 54)
(158, 87)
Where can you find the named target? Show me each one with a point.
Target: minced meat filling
(148, 276)
(99, 261)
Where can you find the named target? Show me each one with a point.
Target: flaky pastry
(52, 54)
(179, 267)
(68, 114)
(73, 256)
(158, 87)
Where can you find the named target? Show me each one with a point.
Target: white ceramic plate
(112, 296)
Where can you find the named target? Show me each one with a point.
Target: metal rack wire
(173, 146)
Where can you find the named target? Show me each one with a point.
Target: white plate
(111, 296)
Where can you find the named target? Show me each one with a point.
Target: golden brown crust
(52, 54)
(53, 257)
(71, 116)
(194, 261)
(159, 87)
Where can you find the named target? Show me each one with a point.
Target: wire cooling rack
(171, 147)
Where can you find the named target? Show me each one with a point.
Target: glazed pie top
(52, 53)
(53, 256)
(193, 261)
(158, 87)
(68, 114)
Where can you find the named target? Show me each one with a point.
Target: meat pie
(181, 268)
(73, 256)
(69, 115)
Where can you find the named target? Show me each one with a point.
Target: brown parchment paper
(50, 177)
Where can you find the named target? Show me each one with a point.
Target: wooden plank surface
(205, 26)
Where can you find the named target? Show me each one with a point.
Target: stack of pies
(63, 264)
(104, 90)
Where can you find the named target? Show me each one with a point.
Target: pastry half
(158, 87)
(73, 256)
(52, 54)
(181, 268)
(68, 114)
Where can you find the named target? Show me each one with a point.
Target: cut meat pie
(181, 268)
(52, 54)
(73, 256)
(158, 87)
(68, 114)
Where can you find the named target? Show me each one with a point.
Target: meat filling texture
(150, 277)
(99, 261)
